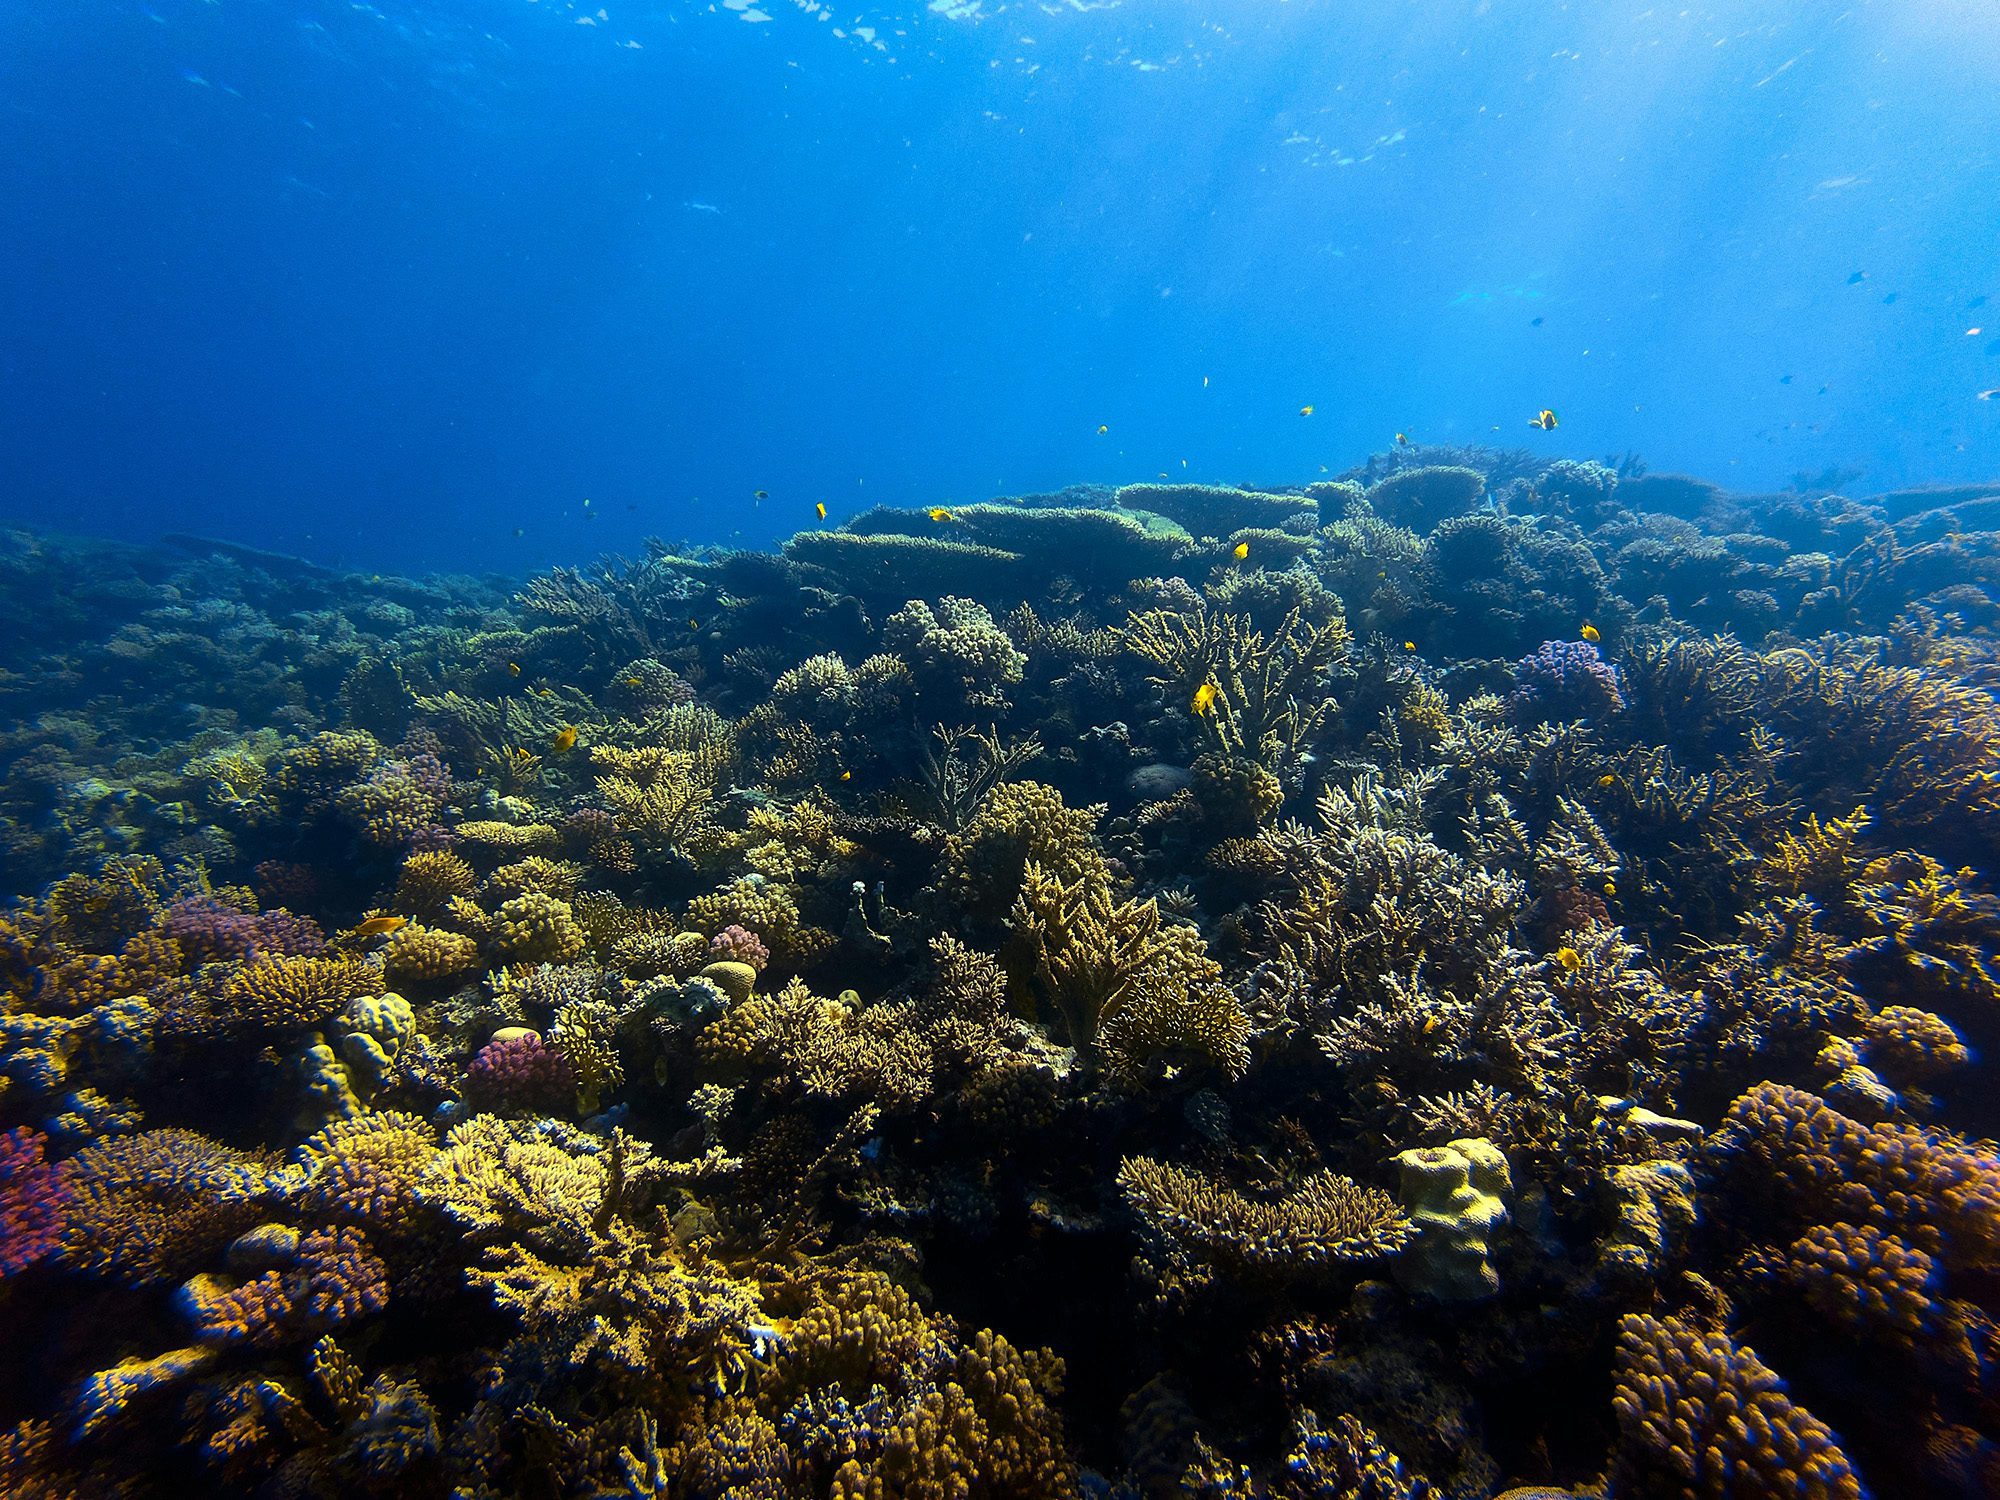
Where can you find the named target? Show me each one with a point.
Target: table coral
(1325, 1221)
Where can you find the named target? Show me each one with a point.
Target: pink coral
(520, 1075)
(32, 1201)
(738, 944)
(335, 1280)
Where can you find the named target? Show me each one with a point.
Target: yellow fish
(938, 513)
(761, 495)
(513, 669)
(1204, 699)
(635, 682)
(564, 742)
(376, 926)
(1590, 633)
(1102, 428)
(1544, 419)
(1610, 889)
(1606, 779)
(1305, 411)
(846, 775)
(1402, 440)
(694, 624)
(1409, 645)
(1240, 551)
(1570, 959)
(819, 509)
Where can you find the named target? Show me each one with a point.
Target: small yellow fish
(377, 926)
(1240, 551)
(513, 669)
(1402, 440)
(1590, 633)
(761, 495)
(564, 742)
(1610, 889)
(819, 509)
(1204, 699)
(1544, 419)
(1570, 959)
(846, 775)
(635, 682)
(938, 513)
(1102, 428)
(1606, 779)
(694, 624)
(1409, 645)
(1305, 411)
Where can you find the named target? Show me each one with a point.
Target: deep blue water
(384, 283)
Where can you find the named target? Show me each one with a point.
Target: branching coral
(1269, 695)
(153, 1207)
(1132, 989)
(1324, 1222)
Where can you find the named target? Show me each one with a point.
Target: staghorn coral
(1569, 930)
(1270, 694)
(1132, 990)
(334, 1279)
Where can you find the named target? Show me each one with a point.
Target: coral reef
(1472, 976)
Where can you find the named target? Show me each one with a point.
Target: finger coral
(1700, 1417)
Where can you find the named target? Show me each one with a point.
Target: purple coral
(738, 944)
(210, 931)
(32, 1200)
(520, 1075)
(1564, 680)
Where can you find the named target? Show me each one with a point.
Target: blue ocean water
(405, 285)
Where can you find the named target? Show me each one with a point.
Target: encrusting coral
(1477, 972)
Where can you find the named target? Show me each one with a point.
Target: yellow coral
(280, 993)
(536, 929)
(428, 955)
(1130, 987)
(1269, 694)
